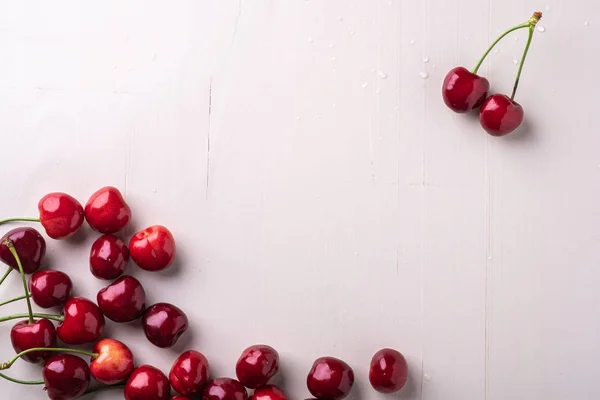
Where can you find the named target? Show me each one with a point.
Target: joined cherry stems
(11, 246)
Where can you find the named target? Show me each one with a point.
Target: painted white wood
(323, 198)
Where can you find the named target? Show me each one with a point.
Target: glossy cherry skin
(83, 322)
(114, 363)
(147, 383)
(61, 215)
(66, 376)
(24, 336)
(500, 115)
(124, 300)
(388, 371)
(463, 90)
(268, 392)
(30, 247)
(257, 365)
(330, 378)
(50, 288)
(108, 257)
(224, 389)
(153, 249)
(189, 373)
(106, 211)
(163, 324)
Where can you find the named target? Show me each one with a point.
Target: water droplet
(541, 28)
(425, 60)
(586, 23)
(364, 85)
(341, 19)
(490, 257)
(153, 57)
(427, 377)
(516, 38)
(423, 74)
(298, 118)
(333, 59)
(515, 61)
(382, 74)
(310, 40)
(154, 190)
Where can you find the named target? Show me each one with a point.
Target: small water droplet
(154, 190)
(382, 74)
(298, 118)
(586, 23)
(516, 38)
(490, 257)
(515, 61)
(423, 74)
(333, 59)
(541, 28)
(153, 57)
(364, 85)
(425, 60)
(341, 19)
(310, 40)
(427, 377)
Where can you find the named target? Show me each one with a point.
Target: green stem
(103, 388)
(35, 315)
(9, 364)
(8, 378)
(6, 274)
(12, 300)
(525, 25)
(531, 29)
(11, 247)
(19, 220)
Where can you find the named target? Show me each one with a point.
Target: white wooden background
(324, 199)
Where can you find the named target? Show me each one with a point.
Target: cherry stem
(9, 364)
(13, 300)
(531, 29)
(11, 246)
(8, 378)
(6, 274)
(19, 220)
(35, 315)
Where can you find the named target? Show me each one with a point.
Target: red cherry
(224, 389)
(108, 257)
(463, 90)
(106, 211)
(61, 215)
(388, 372)
(30, 246)
(50, 288)
(257, 365)
(153, 249)
(330, 378)
(114, 363)
(500, 115)
(181, 398)
(124, 300)
(24, 336)
(147, 383)
(189, 373)
(163, 324)
(66, 377)
(83, 322)
(269, 392)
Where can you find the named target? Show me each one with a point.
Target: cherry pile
(66, 373)
(464, 91)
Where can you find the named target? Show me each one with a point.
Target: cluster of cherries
(66, 375)
(464, 91)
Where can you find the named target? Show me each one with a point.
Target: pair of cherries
(464, 91)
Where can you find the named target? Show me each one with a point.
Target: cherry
(30, 246)
(500, 115)
(153, 248)
(50, 288)
(163, 324)
(106, 211)
(388, 371)
(268, 392)
(114, 363)
(124, 300)
(83, 322)
(257, 365)
(189, 373)
(224, 389)
(66, 376)
(464, 90)
(147, 383)
(181, 398)
(25, 336)
(330, 378)
(108, 257)
(61, 215)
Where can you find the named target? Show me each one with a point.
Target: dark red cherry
(106, 211)
(66, 377)
(114, 363)
(463, 90)
(330, 378)
(50, 288)
(25, 336)
(224, 389)
(30, 247)
(268, 392)
(189, 373)
(500, 115)
(83, 322)
(257, 365)
(153, 248)
(61, 215)
(163, 324)
(388, 371)
(108, 257)
(123, 300)
(147, 383)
